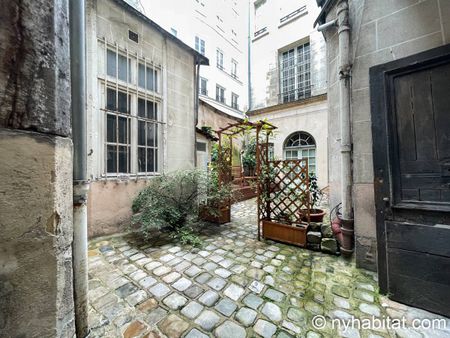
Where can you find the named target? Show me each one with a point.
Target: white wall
(266, 47)
(199, 18)
(311, 118)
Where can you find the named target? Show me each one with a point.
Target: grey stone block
(326, 231)
(314, 237)
(329, 245)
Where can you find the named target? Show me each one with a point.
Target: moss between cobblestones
(306, 277)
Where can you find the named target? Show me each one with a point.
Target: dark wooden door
(410, 107)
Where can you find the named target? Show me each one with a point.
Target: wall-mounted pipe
(80, 181)
(326, 25)
(196, 104)
(345, 66)
(346, 137)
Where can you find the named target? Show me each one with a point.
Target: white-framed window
(234, 66)
(220, 94)
(219, 58)
(203, 86)
(147, 77)
(147, 144)
(301, 145)
(117, 66)
(295, 73)
(200, 45)
(118, 138)
(234, 101)
(131, 113)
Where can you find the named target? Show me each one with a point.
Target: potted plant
(249, 157)
(315, 214)
(215, 207)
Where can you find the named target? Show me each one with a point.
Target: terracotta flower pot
(223, 216)
(315, 215)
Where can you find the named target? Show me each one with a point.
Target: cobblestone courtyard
(234, 286)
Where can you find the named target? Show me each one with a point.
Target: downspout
(80, 181)
(196, 104)
(346, 137)
(342, 23)
(249, 61)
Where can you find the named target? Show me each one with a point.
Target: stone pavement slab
(233, 286)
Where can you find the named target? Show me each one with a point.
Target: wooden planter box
(285, 233)
(224, 215)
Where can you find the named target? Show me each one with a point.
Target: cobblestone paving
(234, 286)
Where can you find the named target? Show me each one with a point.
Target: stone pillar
(36, 291)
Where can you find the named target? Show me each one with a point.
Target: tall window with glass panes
(132, 117)
(295, 73)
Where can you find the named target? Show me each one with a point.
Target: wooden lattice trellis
(283, 189)
(283, 186)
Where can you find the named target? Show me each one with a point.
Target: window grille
(295, 74)
(131, 109)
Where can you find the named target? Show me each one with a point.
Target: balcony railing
(292, 14)
(261, 31)
(295, 94)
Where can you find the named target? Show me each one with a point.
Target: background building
(288, 80)
(217, 29)
(141, 108)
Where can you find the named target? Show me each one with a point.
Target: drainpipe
(249, 61)
(80, 181)
(346, 138)
(196, 104)
(342, 23)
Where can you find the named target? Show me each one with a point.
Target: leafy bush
(172, 202)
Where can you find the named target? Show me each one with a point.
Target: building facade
(217, 29)
(141, 89)
(288, 80)
(397, 77)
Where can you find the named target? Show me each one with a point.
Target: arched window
(301, 145)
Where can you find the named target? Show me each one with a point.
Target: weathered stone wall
(381, 31)
(110, 198)
(36, 292)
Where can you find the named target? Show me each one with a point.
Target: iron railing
(295, 94)
(261, 31)
(292, 14)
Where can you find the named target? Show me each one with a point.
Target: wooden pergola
(225, 155)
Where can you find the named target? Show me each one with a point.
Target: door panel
(422, 119)
(410, 107)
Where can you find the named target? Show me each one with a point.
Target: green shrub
(172, 202)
